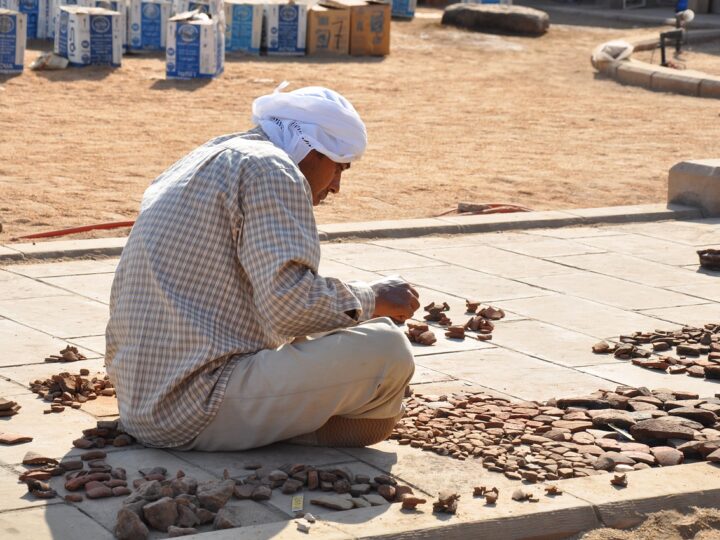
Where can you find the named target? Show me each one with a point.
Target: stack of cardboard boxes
(13, 35)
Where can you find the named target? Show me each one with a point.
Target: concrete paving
(563, 289)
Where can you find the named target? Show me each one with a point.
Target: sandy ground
(452, 116)
(697, 524)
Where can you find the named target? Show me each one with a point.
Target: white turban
(312, 118)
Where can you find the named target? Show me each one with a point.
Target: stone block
(710, 88)
(497, 18)
(679, 83)
(696, 183)
(634, 73)
(699, 6)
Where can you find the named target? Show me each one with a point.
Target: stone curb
(587, 503)
(393, 229)
(662, 79)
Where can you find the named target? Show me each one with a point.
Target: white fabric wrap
(312, 118)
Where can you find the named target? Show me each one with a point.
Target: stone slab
(283, 530)
(61, 316)
(424, 375)
(611, 291)
(374, 258)
(515, 374)
(634, 73)
(53, 434)
(545, 248)
(679, 316)
(710, 88)
(9, 388)
(54, 522)
(691, 232)
(14, 287)
(9, 254)
(635, 213)
(465, 283)
(705, 291)
(513, 221)
(696, 183)
(94, 286)
(386, 229)
(72, 248)
(625, 373)
(440, 241)
(64, 268)
(345, 272)
(24, 345)
(585, 316)
(634, 269)
(650, 490)
(14, 494)
(557, 517)
(497, 18)
(271, 457)
(95, 344)
(574, 232)
(549, 342)
(678, 83)
(644, 247)
(494, 261)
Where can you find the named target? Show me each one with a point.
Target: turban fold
(311, 118)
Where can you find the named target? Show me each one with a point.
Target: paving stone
(494, 261)
(574, 232)
(466, 283)
(374, 258)
(14, 495)
(644, 247)
(529, 378)
(584, 316)
(539, 339)
(65, 268)
(636, 270)
(547, 248)
(53, 522)
(94, 344)
(95, 286)
(691, 232)
(23, 345)
(612, 291)
(706, 291)
(70, 316)
(692, 315)
(442, 240)
(16, 287)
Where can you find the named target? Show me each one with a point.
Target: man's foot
(349, 432)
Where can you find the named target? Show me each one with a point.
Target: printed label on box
(404, 9)
(13, 36)
(286, 28)
(244, 27)
(147, 26)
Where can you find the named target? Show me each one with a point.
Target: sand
(452, 116)
(697, 524)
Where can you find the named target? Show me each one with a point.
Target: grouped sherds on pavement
(447, 502)
(480, 322)
(71, 390)
(9, 407)
(628, 429)
(697, 350)
(106, 433)
(68, 354)
(709, 259)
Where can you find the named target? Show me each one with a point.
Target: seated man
(218, 285)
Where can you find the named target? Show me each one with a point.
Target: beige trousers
(273, 395)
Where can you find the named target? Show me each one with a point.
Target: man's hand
(394, 298)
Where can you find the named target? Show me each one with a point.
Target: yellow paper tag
(297, 503)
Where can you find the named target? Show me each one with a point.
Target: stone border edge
(110, 247)
(662, 79)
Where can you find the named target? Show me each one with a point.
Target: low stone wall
(663, 79)
(696, 183)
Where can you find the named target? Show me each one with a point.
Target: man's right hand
(395, 298)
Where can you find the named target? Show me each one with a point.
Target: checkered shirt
(222, 262)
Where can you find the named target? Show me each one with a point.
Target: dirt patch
(452, 116)
(699, 524)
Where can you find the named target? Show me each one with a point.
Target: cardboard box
(285, 29)
(244, 20)
(89, 36)
(13, 38)
(121, 7)
(369, 26)
(182, 6)
(37, 12)
(404, 9)
(54, 12)
(147, 24)
(328, 31)
(194, 47)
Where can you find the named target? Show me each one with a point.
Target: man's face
(323, 175)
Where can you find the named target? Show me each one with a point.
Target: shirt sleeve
(279, 250)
